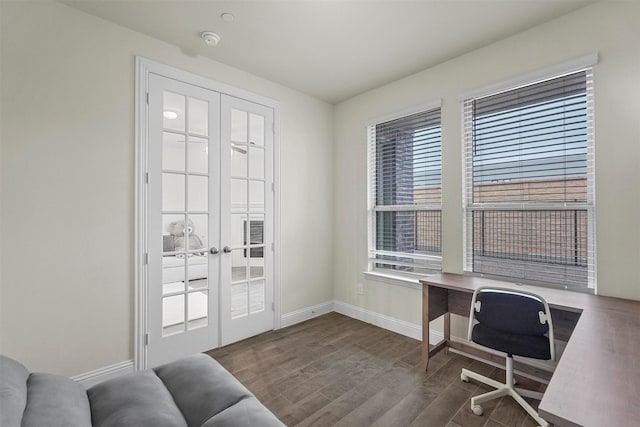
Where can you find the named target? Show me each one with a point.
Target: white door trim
(144, 67)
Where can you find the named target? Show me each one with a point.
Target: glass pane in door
(185, 213)
(198, 193)
(198, 117)
(239, 300)
(172, 314)
(238, 126)
(256, 160)
(198, 155)
(239, 195)
(198, 303)
(238, 160)
(173, 148)
(172, 192)
(173, 111)
(256, 296)
(256, 196)
(256, 129)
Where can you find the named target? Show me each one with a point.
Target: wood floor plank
(404, 412)
(443, 408)
(508, 412)
(337, 371)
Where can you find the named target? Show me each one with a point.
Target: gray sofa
(195, 391)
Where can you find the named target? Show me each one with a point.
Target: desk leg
(447, 330)
(425, 327)
(434, 304)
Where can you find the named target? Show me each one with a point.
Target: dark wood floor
(334, 370)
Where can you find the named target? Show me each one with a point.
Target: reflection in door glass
(198, 117)
(256, 195)
(239, 300)
(256, 253)
(239, 194)
(238, 126)
(238, 224)
(256, 296)
(256, 129)
(173, 152)
(198, 155)
(198, 271)
(239, 263)
(172, 315)
(173, 111)
(238, 160)
(198, 309)
(197, 236)
(198, 193)
(256, 161)
(172, 192)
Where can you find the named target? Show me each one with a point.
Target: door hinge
(273, 306)
(273, 246)
(273, 187)
(147, 98)
(146, 177)
(146, 339)
(146, 258)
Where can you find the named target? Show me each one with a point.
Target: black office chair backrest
(511, 312)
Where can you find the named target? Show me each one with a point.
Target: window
(256, 237)
(405, 168)
(529, 190)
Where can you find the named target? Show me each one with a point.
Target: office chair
(514, 322)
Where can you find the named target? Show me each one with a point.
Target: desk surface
(597, 380)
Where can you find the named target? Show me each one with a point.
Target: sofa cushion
(138, 399)
(13, 392)
(56, 402)
(201, 387)
(246, 413)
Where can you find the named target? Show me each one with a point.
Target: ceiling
(331, 50)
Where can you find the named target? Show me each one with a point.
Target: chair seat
(534, 346)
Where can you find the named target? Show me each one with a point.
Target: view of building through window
(528, 185)
(406, 166)
(528, 173)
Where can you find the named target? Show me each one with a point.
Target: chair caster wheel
(477, 409)
(464, 378)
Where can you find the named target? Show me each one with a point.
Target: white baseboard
(89, 379)
(412, 330)
(398, 326)
(306, 313)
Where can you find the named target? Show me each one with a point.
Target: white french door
(209, 219)
(247, 223)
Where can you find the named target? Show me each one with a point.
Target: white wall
(67, 174)
(609, 28)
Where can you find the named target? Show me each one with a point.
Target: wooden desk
(597, 380)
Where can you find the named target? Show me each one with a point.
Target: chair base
(506, 389)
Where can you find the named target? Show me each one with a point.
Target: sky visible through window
(536, 141)
(542, 140)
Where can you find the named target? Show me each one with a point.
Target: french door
(209, 219)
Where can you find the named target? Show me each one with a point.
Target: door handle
(226, 249)
(213, 250)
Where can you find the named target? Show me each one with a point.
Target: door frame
(143, 67)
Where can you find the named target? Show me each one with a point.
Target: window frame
(585, 63)
(385, 274)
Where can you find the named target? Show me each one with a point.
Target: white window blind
(529, 182)
(405, 169)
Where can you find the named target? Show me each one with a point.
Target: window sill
(407, 282)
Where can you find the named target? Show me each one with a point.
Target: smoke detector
(210, 38)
